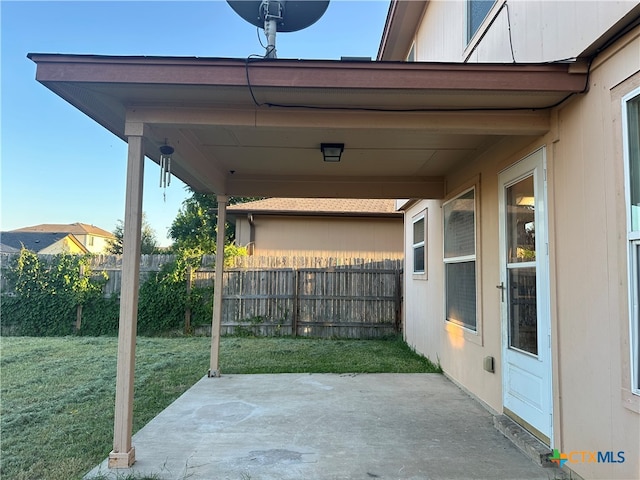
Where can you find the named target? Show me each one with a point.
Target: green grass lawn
(57, 394)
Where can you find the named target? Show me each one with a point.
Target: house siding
(541, 30)
(64, 245)
(592, 407)
(323, 237)
(100, 244)
(591, 301)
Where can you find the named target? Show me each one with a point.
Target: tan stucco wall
(590, 261)
(424, 293)
(375, 238)
(593, 410)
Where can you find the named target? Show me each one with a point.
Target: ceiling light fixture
(332, 152)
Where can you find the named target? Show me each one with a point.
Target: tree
(195, 226)
(149, 241)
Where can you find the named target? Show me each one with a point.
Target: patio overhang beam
(509, 122)
(330, 187)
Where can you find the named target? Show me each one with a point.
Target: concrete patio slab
(326, 427)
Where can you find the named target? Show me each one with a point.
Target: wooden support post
(216, 322)
(123, 453)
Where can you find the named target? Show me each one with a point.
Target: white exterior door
(524, 290)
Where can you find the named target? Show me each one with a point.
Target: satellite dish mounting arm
(270, 15)
(272, 12)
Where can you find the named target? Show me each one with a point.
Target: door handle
(502, 289)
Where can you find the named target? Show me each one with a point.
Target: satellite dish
(279, 16)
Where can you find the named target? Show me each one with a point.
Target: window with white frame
(477, 11)
(460, 259)
(631, 139)
(419, 246)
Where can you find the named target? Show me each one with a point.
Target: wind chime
(166, 151)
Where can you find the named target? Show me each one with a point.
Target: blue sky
(59, 166)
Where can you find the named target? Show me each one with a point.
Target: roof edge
(298, 213)
(379, 75)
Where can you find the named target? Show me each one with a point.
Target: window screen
(460, 260)
(419, 245)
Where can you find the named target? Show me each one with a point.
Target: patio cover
(246, 127)
(254, 127)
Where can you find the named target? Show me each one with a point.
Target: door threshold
(531, 446)
(527, 426)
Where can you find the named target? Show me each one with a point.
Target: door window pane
(521, 232)
(523, 318)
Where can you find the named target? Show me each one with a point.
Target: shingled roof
(318, 206)
(35, 241)
(74, 228)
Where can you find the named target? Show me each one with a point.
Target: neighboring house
(94, 239)
(41, 242)
(319, 227)
(7, 249)
(523, 280)
(515, 136)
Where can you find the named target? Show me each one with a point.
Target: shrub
(48, 291)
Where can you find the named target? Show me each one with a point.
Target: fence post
(398, 300)
(187, 311)
(79, 306)
(294, 318)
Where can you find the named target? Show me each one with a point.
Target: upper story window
(477, 11)
(631, 138)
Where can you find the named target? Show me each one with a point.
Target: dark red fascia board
(556, 77)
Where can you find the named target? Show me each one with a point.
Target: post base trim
(122, 459)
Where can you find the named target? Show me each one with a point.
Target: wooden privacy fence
(346, 303)
(299, 296)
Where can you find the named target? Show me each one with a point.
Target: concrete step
(525, 441)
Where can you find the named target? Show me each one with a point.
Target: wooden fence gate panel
(347, 303)
(261, 301)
